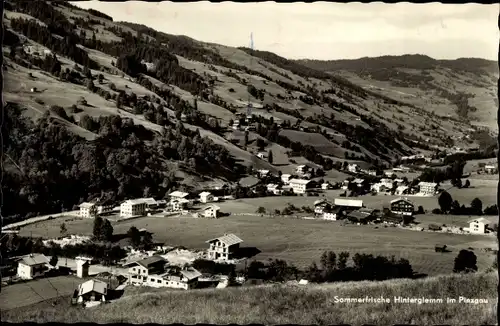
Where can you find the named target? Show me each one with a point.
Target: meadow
(287, 304)
(299, 241)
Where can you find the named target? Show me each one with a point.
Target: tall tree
(445, 200)
(134, 236)
(98, 224)
(106, 231)
(270, 157)
(465, 262)
(476, 206)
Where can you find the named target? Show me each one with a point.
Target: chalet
(176, 205)
(32, 266)
(186, 278)
(261, 155)
(402, 206)
(490, 169)
(320, 205)
(300, 186)
(104, 207)
(133, 207)
(480, 225)
(285, 178)
(224, 247)
(325, 186)
(331, 213)
(427, 188)
(161, 203)
(211, 211)
(92, 290)
(359, 182)
(361, 215)
(274, 189)
(380, 187)
(88, 210)
(348, 204)
(206, 197)
(140, 270)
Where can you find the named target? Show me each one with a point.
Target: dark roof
(360, 214)
(146, 262)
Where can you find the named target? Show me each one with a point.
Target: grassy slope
(313, 304)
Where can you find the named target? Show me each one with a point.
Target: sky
(322, 30)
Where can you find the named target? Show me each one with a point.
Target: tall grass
(280, 304)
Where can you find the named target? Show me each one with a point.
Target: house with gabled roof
(402, 206)
(481, 225)
(206, 197)
(140, 270)
(92, 290)
(178, 194)
(133, 207)
(32, 266)
(223, 248)
(87, 210)
(212, 211)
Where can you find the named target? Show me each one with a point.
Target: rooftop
(146, 262)
(212, 206)
(190, 273)
(134, 201)
(34, 259)
(86, 205)
(93, 285)
(179, 194)
(228, 239)
(401, 199)
(205, 193)
(300, 181)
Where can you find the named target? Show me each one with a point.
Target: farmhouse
(93, 290)
(211, 211)
(261, 155)
(299, 186)
(286, 178)
(480, 225)
(32, 266)
(331, 213)
(427, 188)
(87, 210)
(402, 206)
(380, 187)
(325, 186)
(320, 205)
(224, 247)
(301, 169)
(263, 173)
(206, 197)
(133, 207)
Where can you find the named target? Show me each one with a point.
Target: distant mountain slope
(464, 88)
(179, 98)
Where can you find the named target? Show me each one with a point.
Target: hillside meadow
(288, 304)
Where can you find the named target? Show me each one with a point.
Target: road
(39, 219)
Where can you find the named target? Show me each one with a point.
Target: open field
(298, 241)
(32, 292)
(312, 304)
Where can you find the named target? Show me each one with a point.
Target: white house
(301, 169)
(211, 211)
(352, 168)
(479, 225)
(32, 266)
(331, 213)
(299, 186)
(224, 247)
(490, 169)
(261, 155)
(93, 290)
(274, 188)
(320, 205)
(325, 186)
(401, 190)
(286, 178)
(140, 270)
(358, 182)
(263, 173)
(87, 210)
(206, 197)
(133, 207)
(427, 188)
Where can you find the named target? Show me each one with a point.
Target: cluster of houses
(178, 202)
(355, 210)
(488, 169)
(152, 271)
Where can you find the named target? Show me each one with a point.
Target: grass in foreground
(314, 304)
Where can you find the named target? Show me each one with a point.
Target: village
(168, 267)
